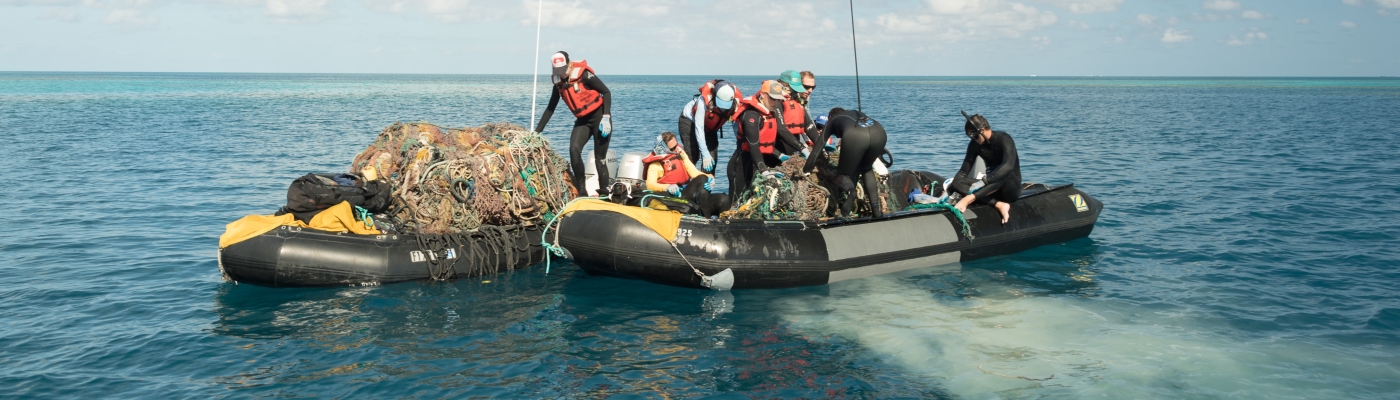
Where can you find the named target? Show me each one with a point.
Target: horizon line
(698, 75)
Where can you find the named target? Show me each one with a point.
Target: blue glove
(783, 157)
(707, 163)
(915, 192)
(606, 126)
(709, 184)
(673, 190)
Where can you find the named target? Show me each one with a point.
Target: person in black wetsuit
(862, 143)
(591, 102)
(1003, 181)
(760, 122)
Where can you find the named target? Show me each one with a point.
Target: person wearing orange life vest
(759, 119)
(715, 106)
(669, 170)
(591, 102)
(795, 116)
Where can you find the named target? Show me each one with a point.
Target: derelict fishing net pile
(452, 180)
(775, 195)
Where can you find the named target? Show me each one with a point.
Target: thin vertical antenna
(854, 53)
(535, 90)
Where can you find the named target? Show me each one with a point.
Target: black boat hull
(778, 254)
(290, 256)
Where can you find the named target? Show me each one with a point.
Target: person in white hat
(591, 102)
(714, 106)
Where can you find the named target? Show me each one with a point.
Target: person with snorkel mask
(670, 171)
(1002, 183)
(591, 102)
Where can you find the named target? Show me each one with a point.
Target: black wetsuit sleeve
(961, 180)
(592, 82)
(812, 131)
(549, 109)
(1008, 159)
(752, 122)
(819, 147)
(785, 135)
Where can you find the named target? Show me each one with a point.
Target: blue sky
(729, 37)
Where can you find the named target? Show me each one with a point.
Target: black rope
(487, 250)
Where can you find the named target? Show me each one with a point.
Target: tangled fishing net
(775, 195)
(453, 180)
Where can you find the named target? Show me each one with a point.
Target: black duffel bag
(312, 193)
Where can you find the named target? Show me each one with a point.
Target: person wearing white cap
(715, 105)
(591, 102)
(759, 119)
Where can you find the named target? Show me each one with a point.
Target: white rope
(535, 90)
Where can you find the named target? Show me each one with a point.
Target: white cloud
(951, 21)
(1251, 14)
(129, 17)
(1222, 5)
(1176, 36)
(1347, 24)
(1388, 3)
(1352, 2)
(296, 10)
(1085, 6)
(1248, 39)
(1119, 40)
(1302, 21)
(1146, 18)
(1077, 25)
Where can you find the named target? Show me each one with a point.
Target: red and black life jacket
(768, 130)
(581, 99)
(673, 168)
(795, 118)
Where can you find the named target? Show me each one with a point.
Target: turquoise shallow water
(1248, 249)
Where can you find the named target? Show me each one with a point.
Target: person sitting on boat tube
(591, 102)
(715, 106)
(1002, 183)
(669, 170)
(795, 116)
(759, 119)
(862, 143)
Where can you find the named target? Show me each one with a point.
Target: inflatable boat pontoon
(778, 254)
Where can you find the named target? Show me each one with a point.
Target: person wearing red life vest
(795, 116)
(669, 170)
(714, 106)
(759, 120)
(591, 102)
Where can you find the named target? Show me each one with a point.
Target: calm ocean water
(1248, 249)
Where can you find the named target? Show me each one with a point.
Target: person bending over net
(862, 143)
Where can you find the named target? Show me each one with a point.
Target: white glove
(606, 126)
(707, 163)
(673, 190)
(806, 152)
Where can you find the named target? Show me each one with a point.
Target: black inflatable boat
(777, 254)
(291, 256)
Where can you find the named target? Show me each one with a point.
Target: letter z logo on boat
(1079, 203)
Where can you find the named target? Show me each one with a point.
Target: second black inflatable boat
(778, 254)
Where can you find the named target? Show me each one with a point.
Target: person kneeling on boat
(862, 143)
(760, 122)
(1002, 184)
(670, 170)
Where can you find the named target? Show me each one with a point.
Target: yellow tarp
(664, 223)
(338, 218)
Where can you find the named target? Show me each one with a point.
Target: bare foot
(964, 202)
(1005, 209)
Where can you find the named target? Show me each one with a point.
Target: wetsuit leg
(710, 203)
(685, 129)
(740, 172)
(585, 128)
(1007, 191)
(872, 192)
